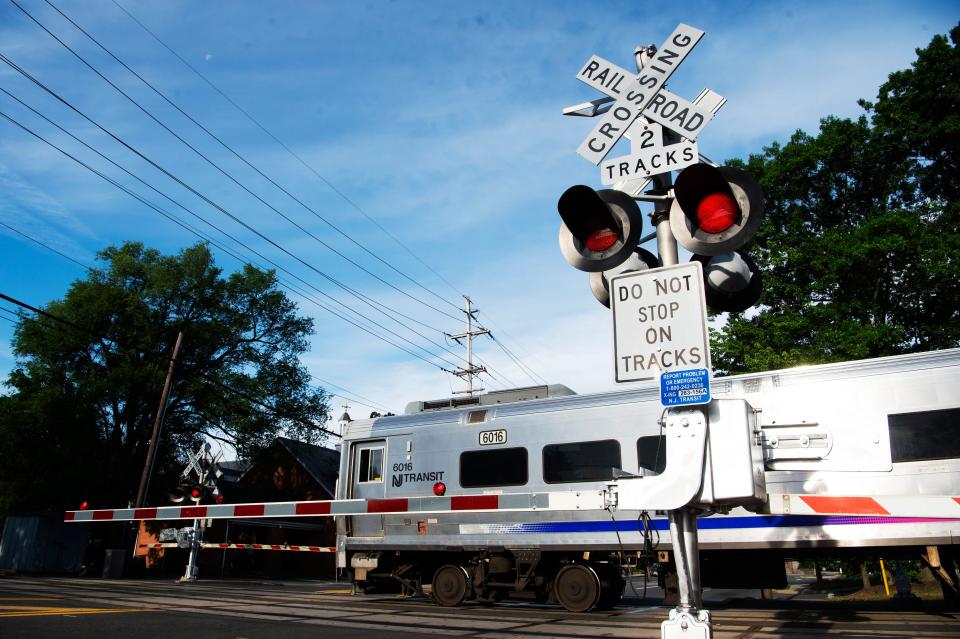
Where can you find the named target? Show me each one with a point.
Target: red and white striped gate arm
(932, 506)
(525, 502)
(246, 547)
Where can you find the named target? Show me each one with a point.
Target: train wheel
(451, 585)
(611, 586)
(577, 588)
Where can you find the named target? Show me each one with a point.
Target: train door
(367, 483)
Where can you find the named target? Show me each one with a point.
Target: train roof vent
(493, 398)
(476, 416)
(525, 393)
(440, 404)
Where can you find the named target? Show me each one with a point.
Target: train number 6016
(491, 437)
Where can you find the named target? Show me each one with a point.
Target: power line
(15, 317)
(368, 402)
(532, 374)
(379, 307)
(526, 369)
(46, 246)
(207, 378)
(360, 296)
(303, 162)
(176, 220)
(245, 161)
(225, 173)
(357, 399)
(368, 301)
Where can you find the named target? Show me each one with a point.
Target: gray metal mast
(470, 371)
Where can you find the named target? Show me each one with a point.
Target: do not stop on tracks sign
(660, 327)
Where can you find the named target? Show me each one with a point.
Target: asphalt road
(62, 608)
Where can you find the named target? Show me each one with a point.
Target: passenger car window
(487, 468)
(371, 465)
(652, 453)
(580, 461)
(931, 434)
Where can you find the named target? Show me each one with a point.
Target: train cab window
(371, 465)
(497, 467)
(580, 461)
(652, 454)
(932, 434)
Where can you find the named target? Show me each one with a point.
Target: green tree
(860, 244)
(77, 422)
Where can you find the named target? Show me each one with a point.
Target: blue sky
(440, 120)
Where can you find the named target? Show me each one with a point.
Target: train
(885, 426)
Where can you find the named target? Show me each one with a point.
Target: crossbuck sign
(631, 96)
(636, 93)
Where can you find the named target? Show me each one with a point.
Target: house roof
(323, 464)
(234, 470)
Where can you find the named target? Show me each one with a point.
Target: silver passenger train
(881, 427)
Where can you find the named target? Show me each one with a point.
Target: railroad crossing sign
(660, 323)
(635, 93)
(204, 465)
(628, 97)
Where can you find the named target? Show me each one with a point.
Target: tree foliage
(77, 422)
(860, 244)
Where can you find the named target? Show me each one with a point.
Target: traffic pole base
(687, 625)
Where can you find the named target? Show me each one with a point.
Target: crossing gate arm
(919, 506)
(522, 502)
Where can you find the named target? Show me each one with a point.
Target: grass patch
(851, 589)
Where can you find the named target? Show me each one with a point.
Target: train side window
(652, 453)
(371, 465)
(580, 461)
(488, 468)
(931, 434)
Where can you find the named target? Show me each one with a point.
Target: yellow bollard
(883, 572)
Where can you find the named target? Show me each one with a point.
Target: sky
(429, 132)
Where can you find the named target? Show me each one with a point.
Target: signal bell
(715, 210)
(600, 229)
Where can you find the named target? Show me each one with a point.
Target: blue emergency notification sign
(681, 388)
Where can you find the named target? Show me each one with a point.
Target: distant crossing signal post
(659, 306)
(198, 482)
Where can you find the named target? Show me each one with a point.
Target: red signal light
(439, 489)
(600, 229)
(84, 505)
(219, 499)
(717, 212)
(601, 239)
(195, 493)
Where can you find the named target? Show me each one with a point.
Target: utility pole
(158, 426)
(470, 371)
